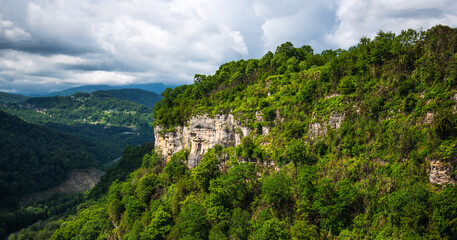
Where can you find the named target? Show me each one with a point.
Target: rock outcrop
(320, 129)
(201, 133)
(440, 172)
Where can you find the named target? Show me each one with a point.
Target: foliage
(143, 97)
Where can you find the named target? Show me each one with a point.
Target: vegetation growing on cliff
(352, 134)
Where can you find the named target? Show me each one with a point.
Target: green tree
(207, 170)
(192, 223)
(160, 225)
(276, 189)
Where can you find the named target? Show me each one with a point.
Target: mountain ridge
(152, 87)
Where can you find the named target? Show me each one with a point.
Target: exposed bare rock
(265, 131)
(332, 95)
(200, 134)
(258, 116)
(440, 172)
(320, 129)
(335, 120)
(316, 129)
(429, 118)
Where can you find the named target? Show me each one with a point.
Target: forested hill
(147, 98)
(34, 158)
(111, 123)
(11, 98)
(343, 144)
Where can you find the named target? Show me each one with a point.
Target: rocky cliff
(201, 133)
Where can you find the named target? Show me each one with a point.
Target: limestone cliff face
(201, 133)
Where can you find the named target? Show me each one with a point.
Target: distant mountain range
(152, 87)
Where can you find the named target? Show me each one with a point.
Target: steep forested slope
(349, 144)
(34, 158)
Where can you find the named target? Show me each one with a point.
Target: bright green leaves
(298, 153)
(272, 228)
(445, 214)
(192, 223)
(176, 168)
(410, 209)
(146, 187)
(207, 170)
(277, 191)
(347, 85)
(160, 225)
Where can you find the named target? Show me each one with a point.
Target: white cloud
(11, 32)
(304, 27)
(359, 18)
(63, 43)
(101, 77)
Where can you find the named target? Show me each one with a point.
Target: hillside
(11, 98)
(110, 122)
(147, 98)
(34, 158)
(344, 144)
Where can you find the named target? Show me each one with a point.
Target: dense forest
(34, 158)
(146, 98)
(369, 177)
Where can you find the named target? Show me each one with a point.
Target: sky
(49, 45)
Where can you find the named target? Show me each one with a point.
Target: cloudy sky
(50, 45)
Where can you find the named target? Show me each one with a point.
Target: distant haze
(54, 45)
